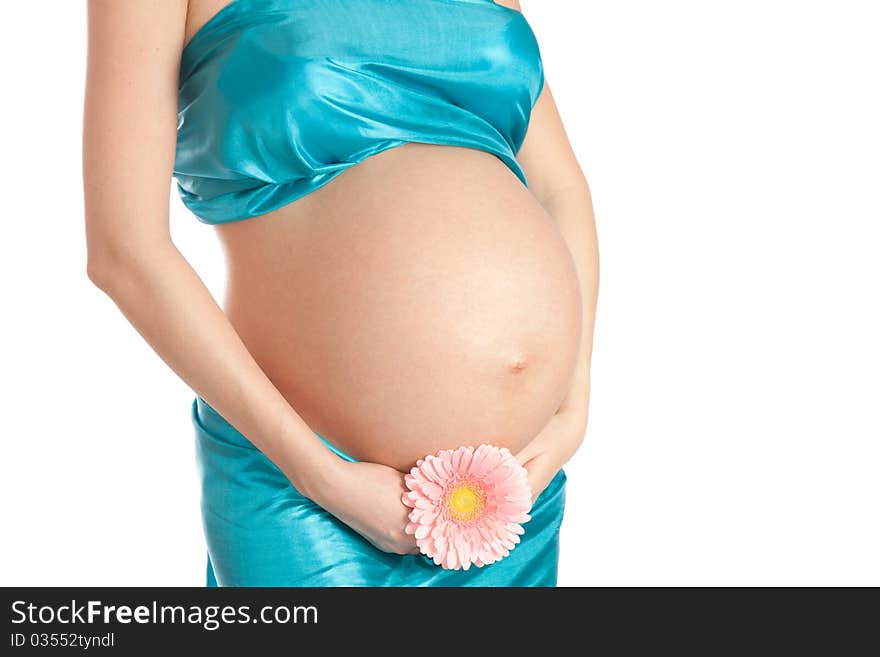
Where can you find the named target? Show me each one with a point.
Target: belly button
(517, 364)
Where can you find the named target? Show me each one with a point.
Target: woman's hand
(367, 498)
(551, 449)
(541, 470)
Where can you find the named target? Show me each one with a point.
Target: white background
(733, 151)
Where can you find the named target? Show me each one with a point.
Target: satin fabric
(261, 532)
(278, 97)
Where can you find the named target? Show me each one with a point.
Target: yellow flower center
(465, 502)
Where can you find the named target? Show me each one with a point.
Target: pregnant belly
(421, 300)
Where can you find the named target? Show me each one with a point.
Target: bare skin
(423, 299)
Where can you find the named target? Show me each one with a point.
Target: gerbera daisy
(468, 505)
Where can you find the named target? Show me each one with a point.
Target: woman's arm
(556, 180)
(129, 139)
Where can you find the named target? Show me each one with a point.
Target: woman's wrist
(308, 464)
(319, 479)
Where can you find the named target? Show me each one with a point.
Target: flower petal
(467, 455)
(428, 516)
(430, 472)
(431, 489)
(456, 460)
(479, 457)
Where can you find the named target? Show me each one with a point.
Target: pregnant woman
(412, 265)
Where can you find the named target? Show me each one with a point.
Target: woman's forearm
(572, 210)
(168, 304)
(130, 121)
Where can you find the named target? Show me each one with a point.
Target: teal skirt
(261, 532)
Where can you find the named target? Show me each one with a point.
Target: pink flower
(467, 505)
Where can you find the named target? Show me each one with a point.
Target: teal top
(278, 97)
